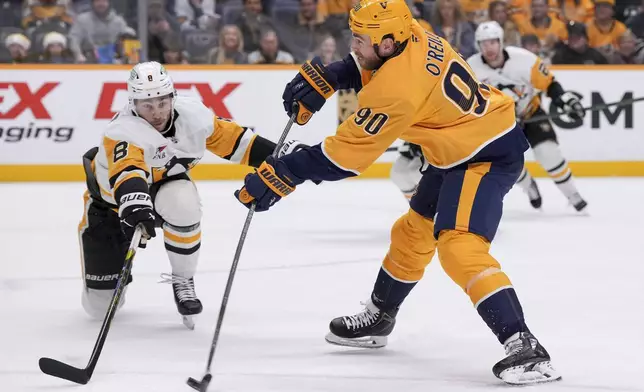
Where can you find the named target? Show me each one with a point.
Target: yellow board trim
(70, 173)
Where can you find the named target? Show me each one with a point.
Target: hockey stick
(549, 116)
(593, 108)
(82, 376)
(202, 385)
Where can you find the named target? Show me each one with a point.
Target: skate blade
(189, 322)
(531, 374)
(364, 342)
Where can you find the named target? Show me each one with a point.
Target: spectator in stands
(18, 46)
(577, 51)
(230, 49)
(55, 50)
(11, 13)
(531, 42)
(128, 49)
(252, 21)
(56, 13)
(97, 30)
(636, 22)
(327, 51)
(302, 32)
(604, 31)
(269, 52)
(581, 11)
(161, 24)
(475, 11)
(449, 22)
(549, 30)
(521, 10)
(196, 14)
(629, 50)
(174, 53)
(498, 12)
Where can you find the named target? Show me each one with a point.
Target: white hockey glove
(571, 105)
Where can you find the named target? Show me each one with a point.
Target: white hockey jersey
(522, 77)
(132, 147)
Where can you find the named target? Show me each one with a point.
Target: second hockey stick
(82, 376)
(202, 385)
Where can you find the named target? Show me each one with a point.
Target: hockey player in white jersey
(522, 75)
(139, 175)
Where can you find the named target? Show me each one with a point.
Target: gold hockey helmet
(381, 19)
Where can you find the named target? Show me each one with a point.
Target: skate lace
(184, 288)
(515, 346)
(362, 319)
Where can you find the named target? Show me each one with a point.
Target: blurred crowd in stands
(292, 31)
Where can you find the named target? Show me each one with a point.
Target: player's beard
(372, 63)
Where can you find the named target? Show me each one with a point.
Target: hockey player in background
(523, 76)
(139, 175)
(414, 86)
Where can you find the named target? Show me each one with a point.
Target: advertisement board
(50, 115)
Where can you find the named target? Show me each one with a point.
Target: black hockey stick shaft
(203, 384)
(82, 376)
(601, 106)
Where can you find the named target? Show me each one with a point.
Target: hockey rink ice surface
(313, 257)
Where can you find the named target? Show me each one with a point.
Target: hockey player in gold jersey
(414, 86)
(139, 175)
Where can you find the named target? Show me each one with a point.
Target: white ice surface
(314, 257)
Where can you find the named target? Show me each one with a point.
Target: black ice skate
(577, 202)
(527, 362)
(534, 195)
(368, 329)
(185, 298)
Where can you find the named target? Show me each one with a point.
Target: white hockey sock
(524, 181)
(182, 245)
(550, 157)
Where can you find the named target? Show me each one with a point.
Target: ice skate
(578, 203)
(534, 195)
(527, 362)
(188, 305)
(367, 329)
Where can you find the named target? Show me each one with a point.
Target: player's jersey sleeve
(358, 142)
(127, 169)
(540, 75)
(237, 144)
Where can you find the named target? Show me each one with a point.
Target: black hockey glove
(570, 104)
(136, 208)
(312, 86)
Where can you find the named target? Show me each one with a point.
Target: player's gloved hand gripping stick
(82, 376)
(310, 89)
(202, 385)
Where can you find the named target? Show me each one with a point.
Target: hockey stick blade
(201, 386)
(62, 370)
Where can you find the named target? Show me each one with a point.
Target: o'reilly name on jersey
(15, 134)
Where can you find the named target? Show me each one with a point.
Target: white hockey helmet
(149, 80)
(486, 31)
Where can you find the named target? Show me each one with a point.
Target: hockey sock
(182, 245)
(524, 181)
(389, 293)
(550, 157)
(502, 312)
